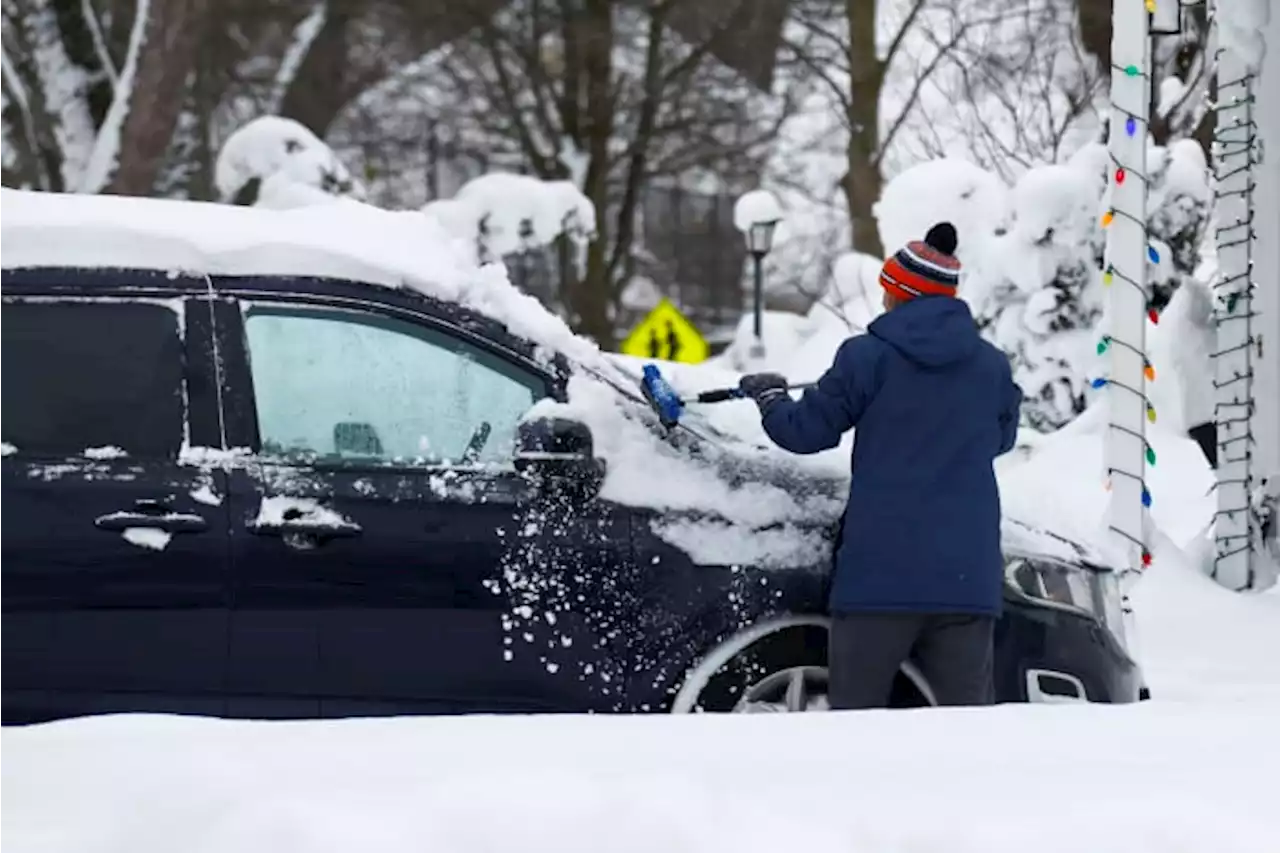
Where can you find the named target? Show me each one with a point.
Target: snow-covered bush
(276, 162)
(1178, 209)
(1041, 298)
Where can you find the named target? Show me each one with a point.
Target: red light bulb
(1119, 176)
(1153, 316)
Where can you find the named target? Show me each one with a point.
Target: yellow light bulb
(1107, 277)
(1151, 414)
(1151, 6)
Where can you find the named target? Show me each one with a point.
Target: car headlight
(1059, 585)
(1077, 589)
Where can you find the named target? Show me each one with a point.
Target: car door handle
(169, 522)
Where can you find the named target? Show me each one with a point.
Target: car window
(342, 385)
(104, 376)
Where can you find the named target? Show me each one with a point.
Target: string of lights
(1128, 253)
(1235, 153)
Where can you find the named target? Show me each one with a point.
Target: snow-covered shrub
(1177, 210)
(504, 214)
(515, 219)
(276, 162)
(1040, 297)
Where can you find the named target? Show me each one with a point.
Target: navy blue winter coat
(933, 404)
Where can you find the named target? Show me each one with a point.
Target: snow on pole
(1128, 251)
(1237, 531)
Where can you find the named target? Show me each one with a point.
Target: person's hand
(764, 388)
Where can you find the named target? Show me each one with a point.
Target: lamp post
(757, 215)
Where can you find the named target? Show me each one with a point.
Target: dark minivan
(278, 495)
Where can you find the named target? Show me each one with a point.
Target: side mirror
(559, 454)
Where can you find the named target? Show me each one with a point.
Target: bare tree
(619, 97)
(1025, 91)
(1001, 79)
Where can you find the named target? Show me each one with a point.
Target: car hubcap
(793, 690)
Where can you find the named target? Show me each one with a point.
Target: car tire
(777, 665)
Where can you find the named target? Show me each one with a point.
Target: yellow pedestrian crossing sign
(668, 335)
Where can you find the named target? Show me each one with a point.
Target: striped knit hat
(924, 268)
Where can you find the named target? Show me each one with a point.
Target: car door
(115, 554)
(373, 517)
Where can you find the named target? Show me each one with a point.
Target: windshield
(627, 383)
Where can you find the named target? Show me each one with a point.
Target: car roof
(340, 249)
(343, 240)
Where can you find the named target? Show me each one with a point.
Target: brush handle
(720, 395)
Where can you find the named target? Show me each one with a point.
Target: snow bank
(1159, 777)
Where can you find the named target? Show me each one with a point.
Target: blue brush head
(661, 396)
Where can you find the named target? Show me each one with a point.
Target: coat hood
(931, 331)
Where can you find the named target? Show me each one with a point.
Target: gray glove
(765, 388)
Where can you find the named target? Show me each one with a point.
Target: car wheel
(777, 666)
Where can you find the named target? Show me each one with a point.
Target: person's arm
(1010, 410)
(829, 409)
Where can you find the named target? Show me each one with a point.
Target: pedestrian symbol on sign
(668, 335)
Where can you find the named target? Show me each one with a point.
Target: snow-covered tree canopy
(507, 214)
(276, 162)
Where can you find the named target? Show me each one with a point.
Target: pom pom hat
(924, 268)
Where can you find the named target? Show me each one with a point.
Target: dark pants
(953, 653)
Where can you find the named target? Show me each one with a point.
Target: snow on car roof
(343, 239)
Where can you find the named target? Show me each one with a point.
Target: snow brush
(668, 405)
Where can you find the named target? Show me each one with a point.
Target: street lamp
(757, 214)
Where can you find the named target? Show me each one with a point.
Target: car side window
(102, 376)
(348, 385)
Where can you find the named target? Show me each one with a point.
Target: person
(919, 571)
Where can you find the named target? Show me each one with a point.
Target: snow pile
(1150, 778)
(277, 163)
(502, 214)
(780, 331)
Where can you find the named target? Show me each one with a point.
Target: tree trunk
(168, 55)
(321, 87)
(863, 181)
(1093, 17)
(591, 297)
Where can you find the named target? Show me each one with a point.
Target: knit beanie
(924, 267)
